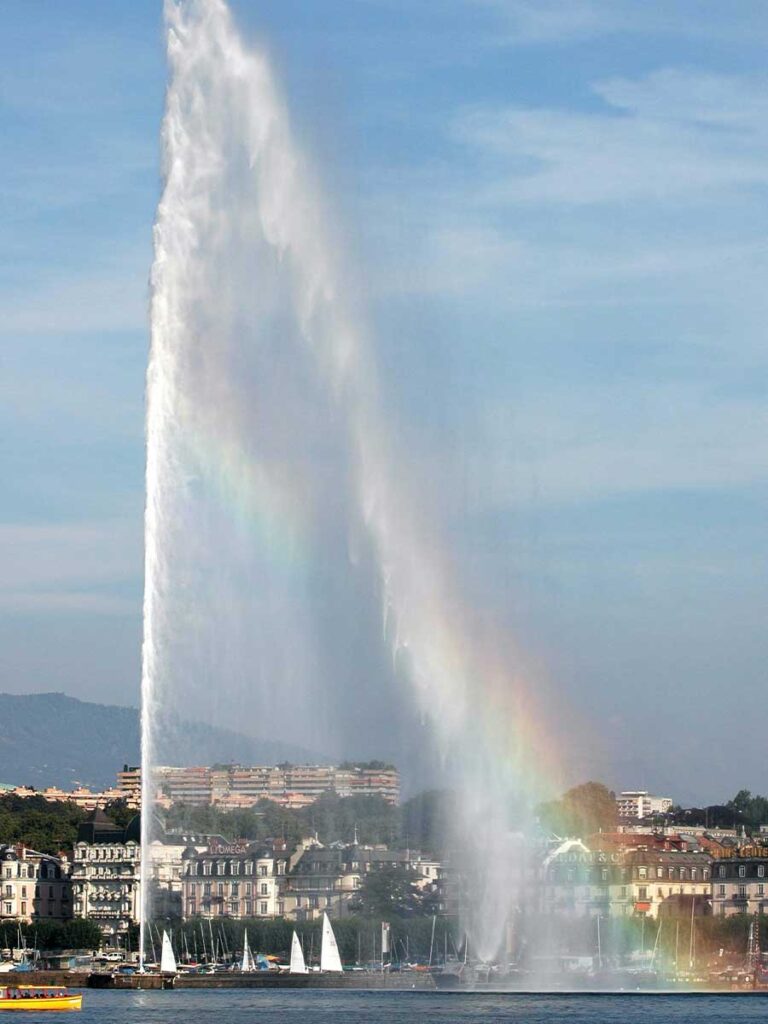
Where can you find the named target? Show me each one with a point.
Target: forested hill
(50, 739)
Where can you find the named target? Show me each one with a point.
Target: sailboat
(249, 964)
(167, 958)
(329, 950)
(297, 956)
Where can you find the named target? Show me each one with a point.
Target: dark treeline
(743, 811)
(591, 807)
(48, 826)
(49, 935)
(421, 822)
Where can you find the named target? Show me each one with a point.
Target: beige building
(82, 797)
(237, 879)
(739, 883)
(129, 785)
(35, 886)
(238, 786)
(617, 883)
(106, 870)
(243, 879)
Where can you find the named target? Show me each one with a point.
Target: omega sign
(236, 849)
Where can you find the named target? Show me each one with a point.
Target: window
(660, 893)
(264, 908)
(642, 893)
(263, 870)
(248, 908)
(761, 870)
(50, 892)
(23, 909)
(603, 874)
(281, 908)
(742, 871)
(742, 892)
(659, 872)
(9, 908)
(207, 868)
(721, 890)
(220, 889)
(9, 890)
(624, 892)
(235, 889)
(8, 873)
(207, 889)
(264, 889)
(760, 889)
(693, 874)
(721, 871)
(247, 888)
(221, 867)
(235, 867)
(249, 867)
(642, 872)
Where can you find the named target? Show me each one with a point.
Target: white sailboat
(249, 964)
(329, 950)
(167, 959)
(297, 956)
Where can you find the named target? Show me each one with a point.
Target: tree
(426, 820)
(581, 811)
(390, 892)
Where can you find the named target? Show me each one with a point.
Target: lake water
(249, 1006)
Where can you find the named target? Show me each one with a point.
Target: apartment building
(636, 804)
(106, 868)
(295, 786)
(235, 879)
(35, 886)
(614, 882)
(739, 884)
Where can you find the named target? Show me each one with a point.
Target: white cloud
(673, 137)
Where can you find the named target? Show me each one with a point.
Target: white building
(106, 870)
(634, 804)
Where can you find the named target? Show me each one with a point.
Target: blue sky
(557, 211)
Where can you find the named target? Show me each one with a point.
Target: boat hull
(42, 1003)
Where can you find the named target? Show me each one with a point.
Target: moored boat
(37, 998)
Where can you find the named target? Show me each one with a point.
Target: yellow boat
(37, 998)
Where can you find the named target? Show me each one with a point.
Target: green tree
(581, 811)
(390, 892)
(426, 820)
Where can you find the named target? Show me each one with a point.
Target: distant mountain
(50, 739)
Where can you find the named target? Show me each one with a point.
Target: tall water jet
(263, 422)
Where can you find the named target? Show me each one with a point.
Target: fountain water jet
(245, 269)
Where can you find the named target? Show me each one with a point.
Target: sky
(557, 215)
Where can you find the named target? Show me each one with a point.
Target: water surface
(251, 1006)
